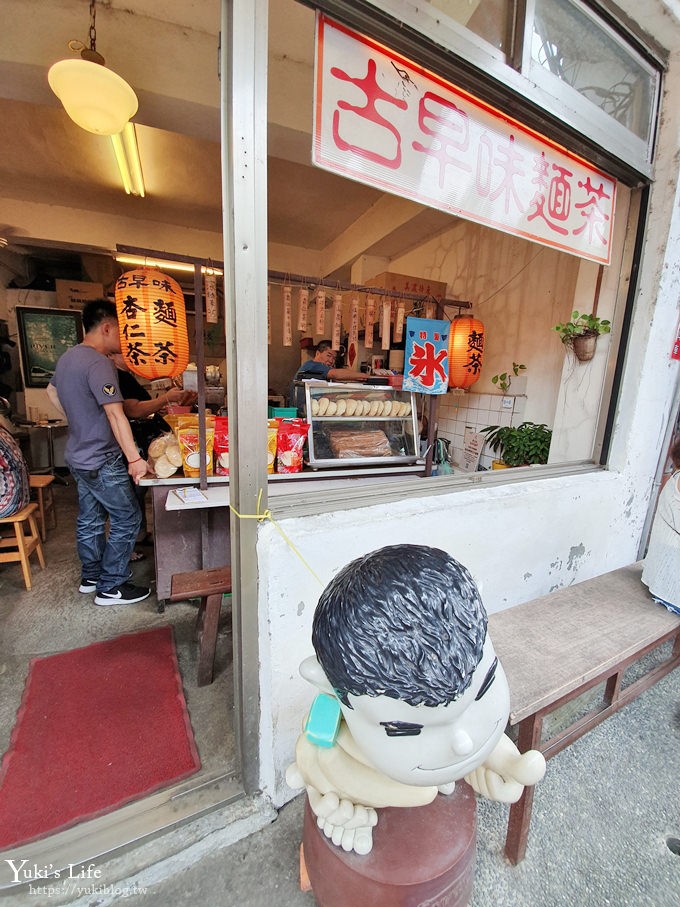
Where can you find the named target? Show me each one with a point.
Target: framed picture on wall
(44, 334)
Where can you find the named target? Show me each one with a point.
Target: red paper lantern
(153, 323)
(466, 351)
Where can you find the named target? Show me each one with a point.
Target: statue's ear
(312, 671)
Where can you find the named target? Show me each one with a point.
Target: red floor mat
(97, 728)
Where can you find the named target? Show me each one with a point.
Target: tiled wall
(460, 411)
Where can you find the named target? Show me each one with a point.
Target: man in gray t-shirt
(86, 385)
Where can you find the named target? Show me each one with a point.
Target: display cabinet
(360, 425)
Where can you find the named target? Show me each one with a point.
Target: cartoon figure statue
(412, 697)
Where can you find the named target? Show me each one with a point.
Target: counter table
(194, 535)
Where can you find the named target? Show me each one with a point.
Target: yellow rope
(262, 515)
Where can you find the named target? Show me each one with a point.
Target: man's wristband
(130, 462)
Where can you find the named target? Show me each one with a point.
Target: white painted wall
(520, 541)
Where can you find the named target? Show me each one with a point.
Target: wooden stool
(209, 586)
(23, 544)
(45, 494)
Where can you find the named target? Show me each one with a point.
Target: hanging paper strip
(430, 309)
(320, 327)
(399, 322)
(337, 320)
(354, 321)
(426, 357)
(210, 283)
(152, 323)
(269, 316)
(287, 316)
(386, 322)
(370, 321)
(303, 309)
(353, 334)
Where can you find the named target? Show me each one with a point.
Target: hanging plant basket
(584, 346)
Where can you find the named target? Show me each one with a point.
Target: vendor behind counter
(322, 367)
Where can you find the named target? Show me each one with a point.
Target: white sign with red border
(389, 123)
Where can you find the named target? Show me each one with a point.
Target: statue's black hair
(405, 621)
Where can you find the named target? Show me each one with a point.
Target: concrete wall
(520, 541)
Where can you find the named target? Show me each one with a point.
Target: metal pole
(243, 67)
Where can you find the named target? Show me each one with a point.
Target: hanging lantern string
(514, 276)
(93, 24)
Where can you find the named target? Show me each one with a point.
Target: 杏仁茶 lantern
(153, 323)
(466, 350)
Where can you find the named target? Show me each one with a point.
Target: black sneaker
(127, 594)
(90, 585)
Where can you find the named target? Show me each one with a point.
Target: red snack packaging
(221, 446)
(290, 442)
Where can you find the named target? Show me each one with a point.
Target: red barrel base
(422, 857)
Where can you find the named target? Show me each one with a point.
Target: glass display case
(360, 425)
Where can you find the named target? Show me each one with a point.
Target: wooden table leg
(208, 638)
(529, 738)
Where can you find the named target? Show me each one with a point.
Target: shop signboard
(426, 356)
(387, 122)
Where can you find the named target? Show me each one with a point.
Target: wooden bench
(209, 586)
(559, 646)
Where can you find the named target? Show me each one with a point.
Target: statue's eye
(401, 728)
(488, 680)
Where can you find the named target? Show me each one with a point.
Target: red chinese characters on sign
(384, 120)
(426, 356)
(426, 364)
(373, 94)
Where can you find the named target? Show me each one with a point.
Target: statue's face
(426, 745)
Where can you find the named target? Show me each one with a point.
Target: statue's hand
(348, 825)
(507, 772)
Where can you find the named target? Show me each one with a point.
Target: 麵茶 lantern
(152, 322)
(466, 350)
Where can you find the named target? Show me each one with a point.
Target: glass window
(489, 19)
(581, 51)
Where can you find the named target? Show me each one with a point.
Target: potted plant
(522, 445)
(504, 380)
(581, 333)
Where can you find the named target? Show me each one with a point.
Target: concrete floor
(605, 830)
(604, 817)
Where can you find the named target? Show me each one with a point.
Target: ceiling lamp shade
(466, 351)
(152, 323)
(96, 98)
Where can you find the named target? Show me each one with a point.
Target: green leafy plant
(504, 380)
(521, 445)
(582, 326)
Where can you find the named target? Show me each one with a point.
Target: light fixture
(162, 265)
(96, 98)
(127, 157)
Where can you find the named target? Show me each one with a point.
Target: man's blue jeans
(106, 492)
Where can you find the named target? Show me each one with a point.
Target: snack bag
(191, 458)
(221, 446)
(290, 443)
(272, 432)
(186, 420)
(164, 455)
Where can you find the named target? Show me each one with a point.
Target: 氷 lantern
(153, 323)
(466, 350)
